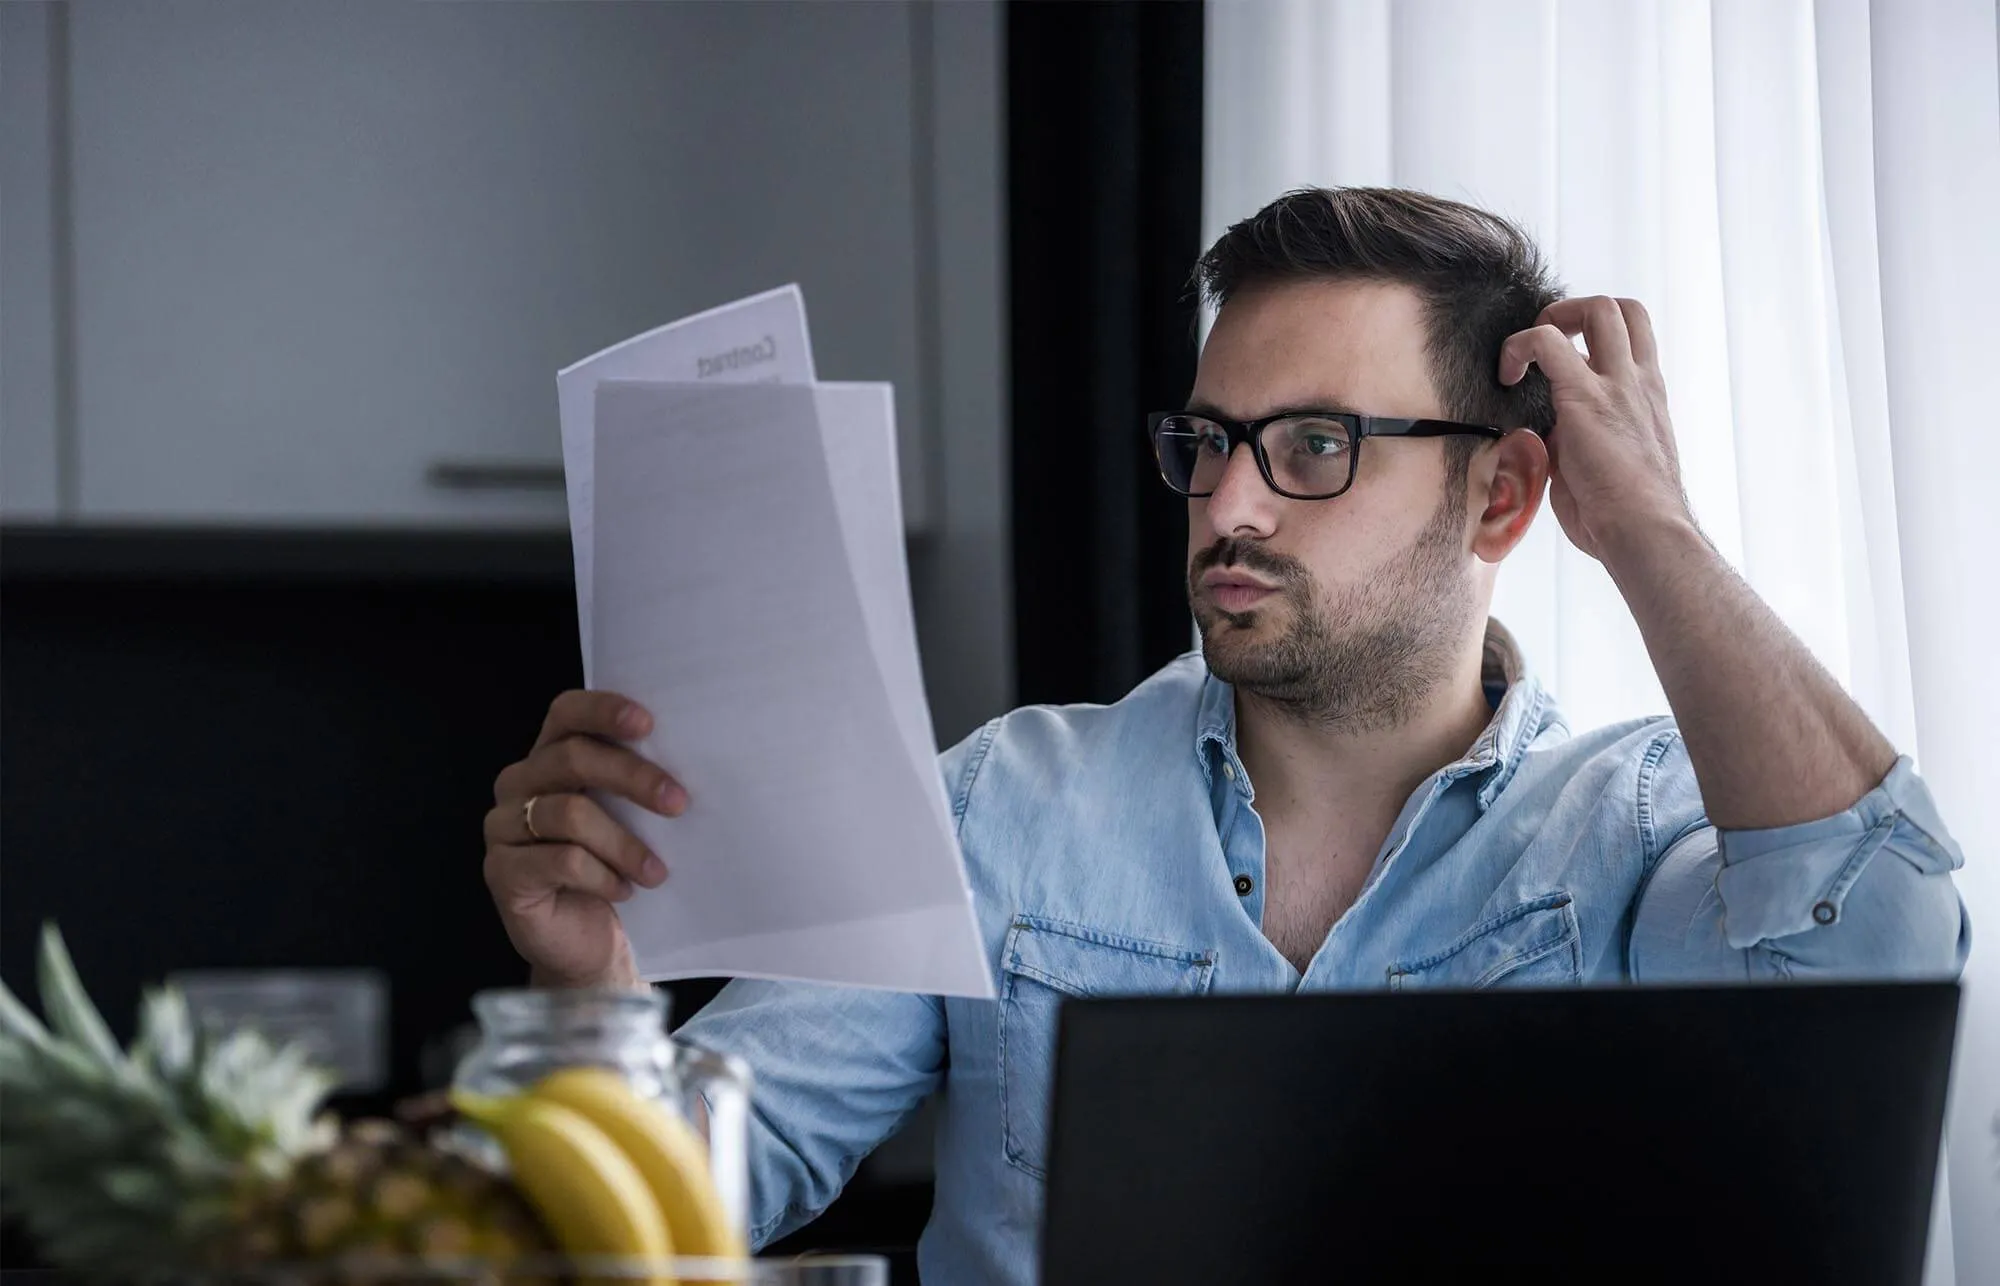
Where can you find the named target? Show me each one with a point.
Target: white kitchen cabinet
(31, 464)
(326, 259)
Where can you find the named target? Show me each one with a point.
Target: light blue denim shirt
(1107, 845)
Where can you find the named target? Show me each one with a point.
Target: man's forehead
(1264, 404)
(1272, 381)
(1320, 345)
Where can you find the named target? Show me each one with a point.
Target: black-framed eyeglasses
(1303, 455)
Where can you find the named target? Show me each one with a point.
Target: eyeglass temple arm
(1390, 426)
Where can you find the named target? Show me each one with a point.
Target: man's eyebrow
(1196, 406)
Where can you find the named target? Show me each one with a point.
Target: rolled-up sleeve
(1866, 893)
(838, 1070)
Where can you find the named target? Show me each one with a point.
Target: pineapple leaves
(166, 1041)
(127, 1167)
(68, 1006)
(18, 1025)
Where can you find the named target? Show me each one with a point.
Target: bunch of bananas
(618, 1179)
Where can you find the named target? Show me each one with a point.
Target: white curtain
(1807, 198)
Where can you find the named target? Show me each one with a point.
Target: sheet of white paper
(857, 432)
(761, 339)
(762, 614)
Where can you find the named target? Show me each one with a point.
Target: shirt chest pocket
(1534, 944)
(1045, 962)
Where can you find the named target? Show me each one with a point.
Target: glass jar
(526, 1033)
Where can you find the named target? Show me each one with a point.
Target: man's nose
(1242, 505)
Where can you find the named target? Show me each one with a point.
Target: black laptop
(1605, 1135)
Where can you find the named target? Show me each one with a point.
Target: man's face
(1346, 611)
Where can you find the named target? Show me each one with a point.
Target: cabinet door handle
(494, 475)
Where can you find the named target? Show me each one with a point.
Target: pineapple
(191, 1156)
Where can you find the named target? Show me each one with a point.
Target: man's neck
(1312, 774)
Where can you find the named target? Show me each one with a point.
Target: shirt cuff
(1789, 879)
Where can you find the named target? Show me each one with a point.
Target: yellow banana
(583, 1185)
(664, 1147)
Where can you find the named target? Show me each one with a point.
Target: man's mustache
(1247, 554)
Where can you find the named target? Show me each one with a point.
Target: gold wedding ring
(528, 819)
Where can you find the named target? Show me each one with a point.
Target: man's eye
(1215, 443)
(1322, 444)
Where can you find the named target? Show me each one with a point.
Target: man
(1355, 783)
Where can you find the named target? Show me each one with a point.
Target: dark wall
(282, 763)
(1104, 122)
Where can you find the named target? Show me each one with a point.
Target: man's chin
(1233, 641)
(1244, 662)
(1214, 622)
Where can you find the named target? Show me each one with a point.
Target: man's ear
(1504, 489)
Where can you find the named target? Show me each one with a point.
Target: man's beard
(1367, 659)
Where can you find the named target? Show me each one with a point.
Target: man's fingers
(577, 819)
(594, 714)
(1601, 322)
(1548, 348)
(577, 764)
(1639, 325)
(524, 872)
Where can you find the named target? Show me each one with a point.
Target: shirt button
(1229, 771)
(1243, 886)
(1825, 913)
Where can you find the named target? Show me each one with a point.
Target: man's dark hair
(1479, 276)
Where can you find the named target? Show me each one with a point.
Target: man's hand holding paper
(744, 597)
(555, 860)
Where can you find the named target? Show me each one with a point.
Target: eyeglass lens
(1309, 455)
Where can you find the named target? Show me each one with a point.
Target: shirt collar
(1497, 749)
(1215, 735)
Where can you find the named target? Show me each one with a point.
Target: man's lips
(1233, 591)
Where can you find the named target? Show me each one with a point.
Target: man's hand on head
(1774, 740)
(1613, 468)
